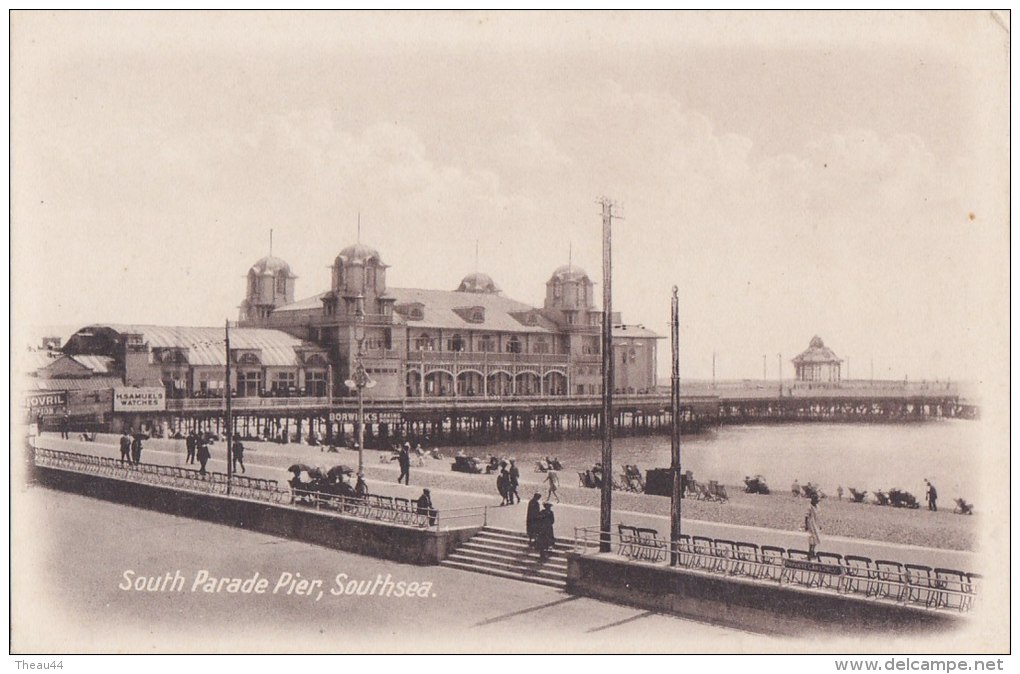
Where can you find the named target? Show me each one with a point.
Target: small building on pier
(818, 363)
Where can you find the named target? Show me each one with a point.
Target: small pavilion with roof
(818, 363)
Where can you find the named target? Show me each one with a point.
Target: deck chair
(921, 584)
(963, 508)
(834, 580)
(889, 580)
(701, 547)
(684, 551)
(725, 554)
(799, 576)
(628, 540)
(704, 493)
(746, 560)
(720, 492)
(652, 548)
(771, 562)
(858, 575)
(881, 498)
(857, 496)
(953, 589)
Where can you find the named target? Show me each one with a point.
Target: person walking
(125, 448)
(545, 534)
(136, 450)
(515, 481)
(534, 511)
(424, 504)
(404, 459)
(203, 454)
(191, 442)
(503, 485)
(237, 454)
(65, 426)
(813, 527)
(839, 492)
(554, 482)
(933, 496)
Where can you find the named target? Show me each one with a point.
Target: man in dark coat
(933, 496)
(404, 459)
(544, 534)
(191, 442)
(534, 510)
(125, 448)
(425, 506)
(202, 453)
(65, 427)
(237, 454)
(136, 450)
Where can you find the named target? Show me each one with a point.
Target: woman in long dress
(813, 527)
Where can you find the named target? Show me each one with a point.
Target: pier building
(818, 363)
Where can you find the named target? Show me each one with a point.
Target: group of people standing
(539, 525)
(130, 448)
(198, 447)
(508, 481)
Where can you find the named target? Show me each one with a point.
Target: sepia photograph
(691, 330)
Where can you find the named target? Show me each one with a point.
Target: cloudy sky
(837, 174)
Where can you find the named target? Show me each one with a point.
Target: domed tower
(270, 285)
(569, 289)
(477, 282)
(359, 271)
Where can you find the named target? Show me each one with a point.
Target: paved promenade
(456, 490)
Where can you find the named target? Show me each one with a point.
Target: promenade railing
(388, 509)
(876, 580)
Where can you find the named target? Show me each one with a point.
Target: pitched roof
(75, 384)
(441, 310)
(205, 345)
(313, 302)
(98, 364)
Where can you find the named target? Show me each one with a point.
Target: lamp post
(359, 379)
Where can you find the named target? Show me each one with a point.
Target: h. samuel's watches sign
(143, 399)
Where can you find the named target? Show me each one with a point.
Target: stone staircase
(505, 553)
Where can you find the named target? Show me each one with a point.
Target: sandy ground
(781, 512)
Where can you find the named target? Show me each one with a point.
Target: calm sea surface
(852, 455)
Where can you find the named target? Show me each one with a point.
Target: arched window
(281, 285)
(513, 345)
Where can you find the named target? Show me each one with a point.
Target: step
(513, 539)
(510, 550)
(530, 561)
(525, 571)
(503, 574)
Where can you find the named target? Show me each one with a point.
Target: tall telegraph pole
(229, 419)
(675, 504)
(606, 511)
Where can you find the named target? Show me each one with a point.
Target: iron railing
(882, 580)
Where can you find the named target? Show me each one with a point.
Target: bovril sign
(34, 401)
(144, 399)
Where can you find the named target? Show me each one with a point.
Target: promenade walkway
(579, 507)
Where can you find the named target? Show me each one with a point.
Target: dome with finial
(569, 273)
(817, 352)
(359, 253)
(272, 266)
(477, 282)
